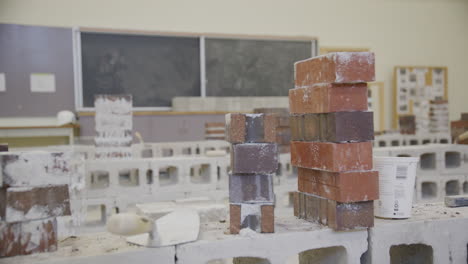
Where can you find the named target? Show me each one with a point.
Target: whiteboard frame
(77, 58)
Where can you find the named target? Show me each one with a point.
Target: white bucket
(397, 176)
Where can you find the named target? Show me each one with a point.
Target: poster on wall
(2, 82)
(42, 82)
(415, 88)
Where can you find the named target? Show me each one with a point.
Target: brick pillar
(254, 161)
(331, 134)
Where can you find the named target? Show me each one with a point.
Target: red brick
(296, 203)
(268, 219)
(323, 211)
(270, 124)
(296, 129)
(312, 209)
(260, 217)
(10, 239)
(235, 128)
(336, 157)
(353, 126)
(250, 188)
(339, 67)
(326, 98)
(356, 126)
(3, 147)
(464, 116)
(23, 203)
(336, 215)
(234, 218)
(459, 124)
(23, 238)
(350, 216)
(283, 135)
(282, 115)
(345, 187)
(254, 158)
(253, 128)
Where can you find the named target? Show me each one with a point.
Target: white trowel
(179, 226)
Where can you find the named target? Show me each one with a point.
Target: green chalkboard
(153, 69)
(246, 67)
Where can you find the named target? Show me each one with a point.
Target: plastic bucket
(397, 176)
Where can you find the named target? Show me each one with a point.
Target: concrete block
(258, 158)
(345, 187)
(36, 168)
(431, 235)
(111, 250)
(23, 238)
(326, 98)
(451, 185)
(277, 247)
(23, 203)
(338, 67)
(251, 188)
(336, 157)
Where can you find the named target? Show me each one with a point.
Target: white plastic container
(397, 177)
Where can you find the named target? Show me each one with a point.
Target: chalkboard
(151, 68)
(246, 67)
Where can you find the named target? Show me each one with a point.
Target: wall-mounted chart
(415, 87)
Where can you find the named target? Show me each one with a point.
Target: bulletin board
(416, 84)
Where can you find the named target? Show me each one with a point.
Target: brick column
(254, 161)
(331, 134)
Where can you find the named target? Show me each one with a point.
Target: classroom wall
(400, 32)
(35, 49)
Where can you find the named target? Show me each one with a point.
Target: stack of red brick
(254, 160)
(459, 127)
(283, 130)
(331, 140)
(28, 209)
